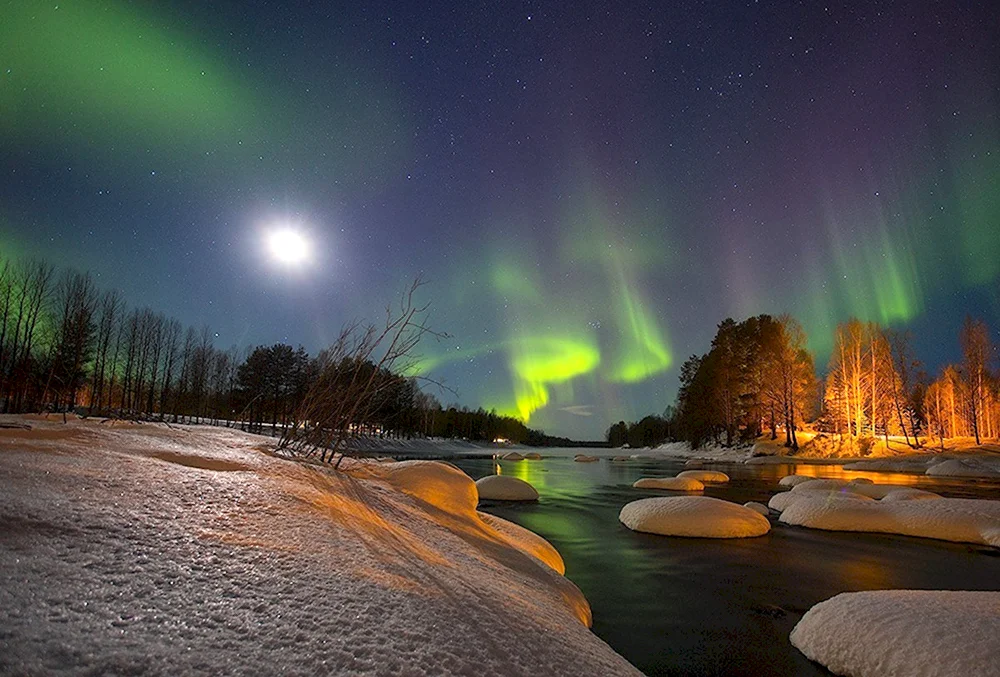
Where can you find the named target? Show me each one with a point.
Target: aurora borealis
(587, 188)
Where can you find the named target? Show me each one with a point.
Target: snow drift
(191, 550)
(903, 633)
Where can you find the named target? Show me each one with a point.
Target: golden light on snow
(288, 246)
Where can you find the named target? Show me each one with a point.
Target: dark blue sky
(589, 188)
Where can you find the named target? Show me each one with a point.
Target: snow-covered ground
(904, 633)
(142, 549)
(683, 451)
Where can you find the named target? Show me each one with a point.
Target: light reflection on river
(724, 607)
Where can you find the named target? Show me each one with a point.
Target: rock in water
(698, 516)
(505, 488)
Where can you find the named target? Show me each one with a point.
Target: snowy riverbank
(147, 549)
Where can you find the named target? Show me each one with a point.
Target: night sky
(589, 188)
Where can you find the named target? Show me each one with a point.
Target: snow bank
(671, 483)
(439, 484)
(505, 488)
(170, 567)
(758, 507)
(704, 475)
(683, 450)
(899, 633)
(698, 516)
(526, 540)
(966, 467)
(961, 520)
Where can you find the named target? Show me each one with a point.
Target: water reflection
(837, 472)
(703, 606)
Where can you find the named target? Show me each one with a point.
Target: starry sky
(588, 188)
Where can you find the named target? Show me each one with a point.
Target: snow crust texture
(670, 483)
(505, 488)
(904, 633)
(697, 516)
(143, 550)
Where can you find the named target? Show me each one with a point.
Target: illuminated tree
(977, 353)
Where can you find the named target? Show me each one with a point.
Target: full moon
(288, 246)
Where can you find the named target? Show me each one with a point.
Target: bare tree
(351, 380)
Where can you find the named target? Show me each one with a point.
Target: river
(676, 606)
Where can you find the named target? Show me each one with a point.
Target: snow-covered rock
(780, 502)
(705, 475)
(505, 488)
(861, 480)
(671, 483)
(511, 456)
(971, 467)
(792, 480)
(909, 494)
(698, 516)
(620, 459)
(899, 633)
(949, 519)
(819, 485)
(871, 490)
(533, 456)
(757, 507)
(584, 458)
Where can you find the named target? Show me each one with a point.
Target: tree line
(66, 345)
(758, 378)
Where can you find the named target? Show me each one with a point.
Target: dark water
(676, 606)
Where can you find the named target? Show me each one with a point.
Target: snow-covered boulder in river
(757, 507)
(792, 480)
(971, 467)
(819, 485)
(505, 488)
(584, 458)
(670, 483)
(962, 520)
(898, 633)
(781, 501)
(909, 494)
(698, 516)
(705, 475)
